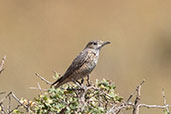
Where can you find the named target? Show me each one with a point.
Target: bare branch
(18, 100)
(137, 99)
(39, 87)
(35, 88)
(9, 104)
(164, 101)
(43, 79)
(116, 109)
(112, 109)
(155, 106)
(2, 64)
(8, 110)
(14, 108)
(2, 92)
(136, 105)
(2, 109)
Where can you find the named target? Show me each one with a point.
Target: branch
(155, 106)
(43, 79)
(2, 64)
(38, 88)
(2, 109)
(138, 98)
(165, 102)
(9, 96)
(136, 104)
(2, 92)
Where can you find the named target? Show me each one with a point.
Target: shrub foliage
(71, 99)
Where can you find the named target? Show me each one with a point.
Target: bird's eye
(95, 43)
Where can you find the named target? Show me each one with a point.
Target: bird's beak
(105, 43)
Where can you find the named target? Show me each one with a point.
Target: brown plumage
(83, 64)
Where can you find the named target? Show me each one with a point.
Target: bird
(83, 64)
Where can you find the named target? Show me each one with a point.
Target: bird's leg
(82, 80)
(88, 80)
(78, 83)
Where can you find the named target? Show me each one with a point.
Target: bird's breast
(92, 60)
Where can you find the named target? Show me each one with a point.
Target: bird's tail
(59, 82)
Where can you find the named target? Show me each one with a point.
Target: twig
(18, 100)
(2, 92)
(138, 98)
(116, 109)
(136, 105)
(35, 88)
(155, 106)
(83, 99)
(130, 97)
(39, 87)
(9, 96)
(43, 79)
(2, 64)
(14, 108)
(111, 110)
(164, 101)
(2, 100)
(55, 73)
(2, 109)
(9, 103)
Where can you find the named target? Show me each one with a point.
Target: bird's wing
(76, 64)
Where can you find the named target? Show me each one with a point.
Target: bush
(71, 99)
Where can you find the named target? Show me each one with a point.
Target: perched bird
(83, 64)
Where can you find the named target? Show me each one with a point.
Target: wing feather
(76, 64)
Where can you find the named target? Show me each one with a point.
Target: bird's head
(97, 44)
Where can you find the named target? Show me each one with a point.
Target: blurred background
(39, 36)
